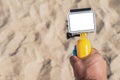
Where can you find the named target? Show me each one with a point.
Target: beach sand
(33, 44)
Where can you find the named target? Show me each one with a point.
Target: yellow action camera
(80, 23)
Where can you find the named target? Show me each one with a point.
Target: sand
(33, 44)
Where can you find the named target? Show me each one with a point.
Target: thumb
(78, 67)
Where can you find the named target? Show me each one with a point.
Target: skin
(92, 67)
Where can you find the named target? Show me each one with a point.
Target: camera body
(79, 21)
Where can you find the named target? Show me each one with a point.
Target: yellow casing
(83, 46)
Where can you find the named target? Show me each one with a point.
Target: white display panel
(81, 22)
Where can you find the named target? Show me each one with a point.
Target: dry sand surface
(33, 44)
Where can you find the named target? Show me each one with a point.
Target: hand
(91, 68)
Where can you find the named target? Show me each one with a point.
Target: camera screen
(81, 22)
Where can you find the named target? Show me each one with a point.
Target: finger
(92, 57)
(95, 51)
(97, 68)
(73, 60)
(78, 67)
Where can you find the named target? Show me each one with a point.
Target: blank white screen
(81, 21)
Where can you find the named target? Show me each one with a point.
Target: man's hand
(91, 68)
